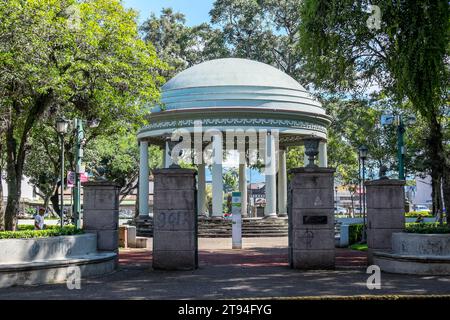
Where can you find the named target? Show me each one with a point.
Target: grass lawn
(359, 247)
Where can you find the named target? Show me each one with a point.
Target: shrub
(359, 247)
(427, 228)
(24, 227)
(355, 232)
(53, 231)
(415, 214)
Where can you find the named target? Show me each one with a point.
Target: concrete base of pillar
(385, 214)
(311, 237)
(175, 222)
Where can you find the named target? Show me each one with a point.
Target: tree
(43, 163)
(245, 28)
(295, 157)
(230, 180)
(2, 165)
(403, 52)
(88, 60)
(116, 158)
(179, 45)
(264, 30)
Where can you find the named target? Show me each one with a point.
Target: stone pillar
(385, 213)
(271, 180)
(217, 179)
(323, 155)
(282, 183)
(201, 195)
(243, 188)
(143, 179)
(311, 236)
(101, 213)
(175, 220)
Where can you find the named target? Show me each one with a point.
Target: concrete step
(142, 242)
(222, 228)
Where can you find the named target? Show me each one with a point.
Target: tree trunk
(14, 180)
(16, 151)
(446, 191)
(437, 164)
(436, 196)
(12, 203)
(2, 214)
(352, 213)
(136, 206)
(55, 201)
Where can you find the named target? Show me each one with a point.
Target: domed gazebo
(229, 94)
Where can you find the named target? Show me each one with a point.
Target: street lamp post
(401, 148)
(363, 156)
(79, 154)
(62, 126)
(399, 121)
(335, 196)
(79, 142)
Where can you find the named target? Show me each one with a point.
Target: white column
(305, 160)
(271, 180)
(323, 156)
(143, 179)
(201, 192)
(217, 179)
(282, 183)
(167, 157)
(243, 188)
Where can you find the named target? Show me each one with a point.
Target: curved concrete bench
(412, 253)
(46, 260)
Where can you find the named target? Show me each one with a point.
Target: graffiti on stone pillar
(307, 238)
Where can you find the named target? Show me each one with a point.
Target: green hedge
(359, 247)
(415, 214)
(25, 232)
(355, 232)
(427, 228)
(24, 227)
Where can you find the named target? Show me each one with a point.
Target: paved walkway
(256, 252)
(259, 270)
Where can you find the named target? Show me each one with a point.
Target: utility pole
(79, 143)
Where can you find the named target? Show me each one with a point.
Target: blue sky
(196, 11)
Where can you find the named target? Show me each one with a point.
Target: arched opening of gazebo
(225, 98)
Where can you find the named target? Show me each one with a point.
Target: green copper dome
(239, 93)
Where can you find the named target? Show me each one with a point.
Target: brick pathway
(245, 258)
(260, 270)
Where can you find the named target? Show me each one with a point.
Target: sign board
(387, 119)
(236, 230)
(84, 177)
(71, 178)
(315, 220)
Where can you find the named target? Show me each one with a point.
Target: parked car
(422, 207)
(125, 214)
(228, 216)
(340, 210)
